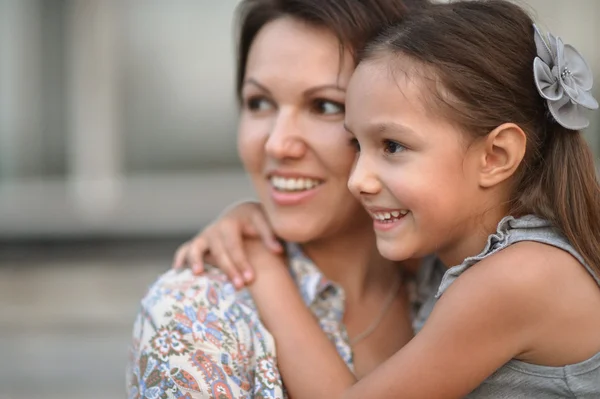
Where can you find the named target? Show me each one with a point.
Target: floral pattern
(197, 337)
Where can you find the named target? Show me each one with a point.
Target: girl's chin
(393, 251)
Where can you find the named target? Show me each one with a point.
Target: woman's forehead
(292, 48)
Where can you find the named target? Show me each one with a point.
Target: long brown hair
(354, 22)
(482, 53)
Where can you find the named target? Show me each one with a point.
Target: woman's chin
(296, 234)
(307, 227)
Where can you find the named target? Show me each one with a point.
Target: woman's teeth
(293, 184)
(388, 216)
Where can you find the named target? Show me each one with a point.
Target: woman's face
(291, 136)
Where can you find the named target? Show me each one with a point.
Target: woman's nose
(285, 137)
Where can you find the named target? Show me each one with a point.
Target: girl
(467, 121)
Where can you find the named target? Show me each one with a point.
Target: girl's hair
(354, 22)
(477, 57)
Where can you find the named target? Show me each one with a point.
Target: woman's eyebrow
(254, 82)
(315, 89)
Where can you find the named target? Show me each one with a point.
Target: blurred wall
(117, 117)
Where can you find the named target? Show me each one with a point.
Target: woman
(197, 336)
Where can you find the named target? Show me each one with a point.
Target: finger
(248, 230)
(196, 253)
(180, 256)
(232, 243)
(210, 259)
(224, 263)
(266, 233)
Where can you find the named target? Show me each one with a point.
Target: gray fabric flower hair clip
(564, 79)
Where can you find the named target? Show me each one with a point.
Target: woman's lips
(295, 190)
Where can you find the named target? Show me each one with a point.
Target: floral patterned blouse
(197, 337)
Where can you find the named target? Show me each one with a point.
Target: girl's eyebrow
(383, 128)
(390, 127)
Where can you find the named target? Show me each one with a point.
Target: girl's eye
(257, 104)
(392, 147)
(354, 143)
(326, 107)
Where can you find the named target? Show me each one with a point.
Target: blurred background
(117, 143)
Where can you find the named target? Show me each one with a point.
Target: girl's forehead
(402, 81)
(381, 82)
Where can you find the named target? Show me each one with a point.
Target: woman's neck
(351, 260)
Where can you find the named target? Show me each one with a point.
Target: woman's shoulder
(212, 293)
(204, 330)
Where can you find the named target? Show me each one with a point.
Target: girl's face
(415, 174)
(291, 135)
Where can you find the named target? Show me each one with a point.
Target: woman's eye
(392, 147)
(354, 143)
(257, 104)
(326, 107)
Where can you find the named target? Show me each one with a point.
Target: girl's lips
(388, 224)
(385, 219)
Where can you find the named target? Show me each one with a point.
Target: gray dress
(520, 380)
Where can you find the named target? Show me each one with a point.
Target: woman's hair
(354, 22)
(477, 58)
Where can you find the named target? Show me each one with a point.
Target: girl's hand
(221, 243)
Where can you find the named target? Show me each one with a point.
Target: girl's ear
(503, 151)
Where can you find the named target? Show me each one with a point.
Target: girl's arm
(483, 320)
(300, 342)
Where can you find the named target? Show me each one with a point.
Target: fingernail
(197, 269)
(248, 275)
(238, 282)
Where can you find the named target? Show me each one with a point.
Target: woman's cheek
(250, 144)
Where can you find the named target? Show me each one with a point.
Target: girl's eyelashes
(392, 147)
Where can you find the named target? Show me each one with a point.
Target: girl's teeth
(293, 184)
(388, 216)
